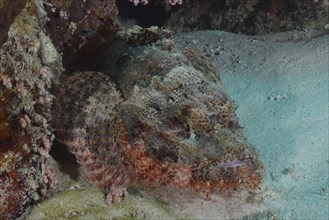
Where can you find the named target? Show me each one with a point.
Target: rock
(88, 203)
(82, 30)
(252, 17)
(48, 52)
(25, 132)
(9, 9)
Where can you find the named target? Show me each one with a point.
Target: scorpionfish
(162, 117)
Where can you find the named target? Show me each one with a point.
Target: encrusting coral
(25, 132)
(250, 17)
(8, 11)
(81, 30)
(164, 118)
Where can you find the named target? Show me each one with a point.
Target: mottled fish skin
(163, 118)
(85, 121)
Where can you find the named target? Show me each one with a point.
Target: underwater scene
(164, 109)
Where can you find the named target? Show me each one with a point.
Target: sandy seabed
(280, 84)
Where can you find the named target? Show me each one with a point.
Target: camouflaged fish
(162, 118)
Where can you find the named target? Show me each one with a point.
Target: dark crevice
(66, 160)
(154, 13)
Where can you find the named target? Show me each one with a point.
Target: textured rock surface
(89, 204)
(25, 132)
(82, 30)
(250, 16)
(168, 121)
(9, 9)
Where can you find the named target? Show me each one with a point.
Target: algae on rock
(89, 203)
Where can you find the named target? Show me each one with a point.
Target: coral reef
(9, 9)
(250, 16)
(158, 115)
(82, 30)
(165, 119)
(25, 133)
(87, 31)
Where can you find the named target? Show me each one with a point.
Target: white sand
(280, 86)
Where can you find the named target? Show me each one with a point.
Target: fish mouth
(214, 165)
(234, 163)
(237, 169)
